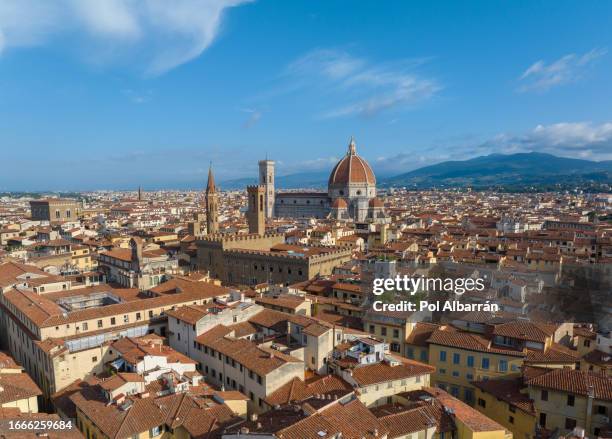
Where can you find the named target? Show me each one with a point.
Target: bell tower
(266, 179)
(255, 214)
(212, 204)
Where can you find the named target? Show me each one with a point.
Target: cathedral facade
(351, 194)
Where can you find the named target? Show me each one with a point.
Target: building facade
(54, 210)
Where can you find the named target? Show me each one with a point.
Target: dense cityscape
(248, 313)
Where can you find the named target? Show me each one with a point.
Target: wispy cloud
(541, 76)
(159, 35)
(572, 139)
(254, 116)
(360, 86)
(586, 140)
(136, 97)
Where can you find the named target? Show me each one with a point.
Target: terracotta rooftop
(575, 381)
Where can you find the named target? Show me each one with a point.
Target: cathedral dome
(351, 169)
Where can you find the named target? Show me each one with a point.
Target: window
(456, 358)
(155, 431)
(544, 395)
(570, 423)
(372, 329)
(455, 373)
(601, 410)
(138, 316)
(503, 365)
(442, 371)
(178, 336)
(99, 323)
(410, 352)
(150, 314)
(570, 400)
(485, 363)
(85, 326)
(587, 343)
(469, 396)
(396, 333)
(94, 359)
(442, 355)
(482, 403)
(424, 355)
(470, 361)
(512, 408)
(543, 420)
(511, 419)
(383, 331)
(469, 376)
(126, 319)
(113, 321)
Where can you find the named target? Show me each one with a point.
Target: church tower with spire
(212, 204)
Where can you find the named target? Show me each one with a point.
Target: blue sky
(124, 92)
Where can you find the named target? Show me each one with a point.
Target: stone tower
(266, 179)
(212, 204)
(139, 193)
(255, 214)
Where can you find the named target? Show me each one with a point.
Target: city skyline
(134, 93)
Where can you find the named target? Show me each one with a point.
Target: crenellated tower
(212, 204)
(266, 179)
(256, 211)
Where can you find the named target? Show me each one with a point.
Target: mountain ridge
(493, 170)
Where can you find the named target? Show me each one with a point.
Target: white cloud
(568, 139)
(541, 76)
(159, 34)
(365, 88)
(584, 140)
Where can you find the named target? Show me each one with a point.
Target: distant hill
(499, 170)
(514, 171)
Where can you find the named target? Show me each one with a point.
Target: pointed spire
(210, 186)
(352, 148)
